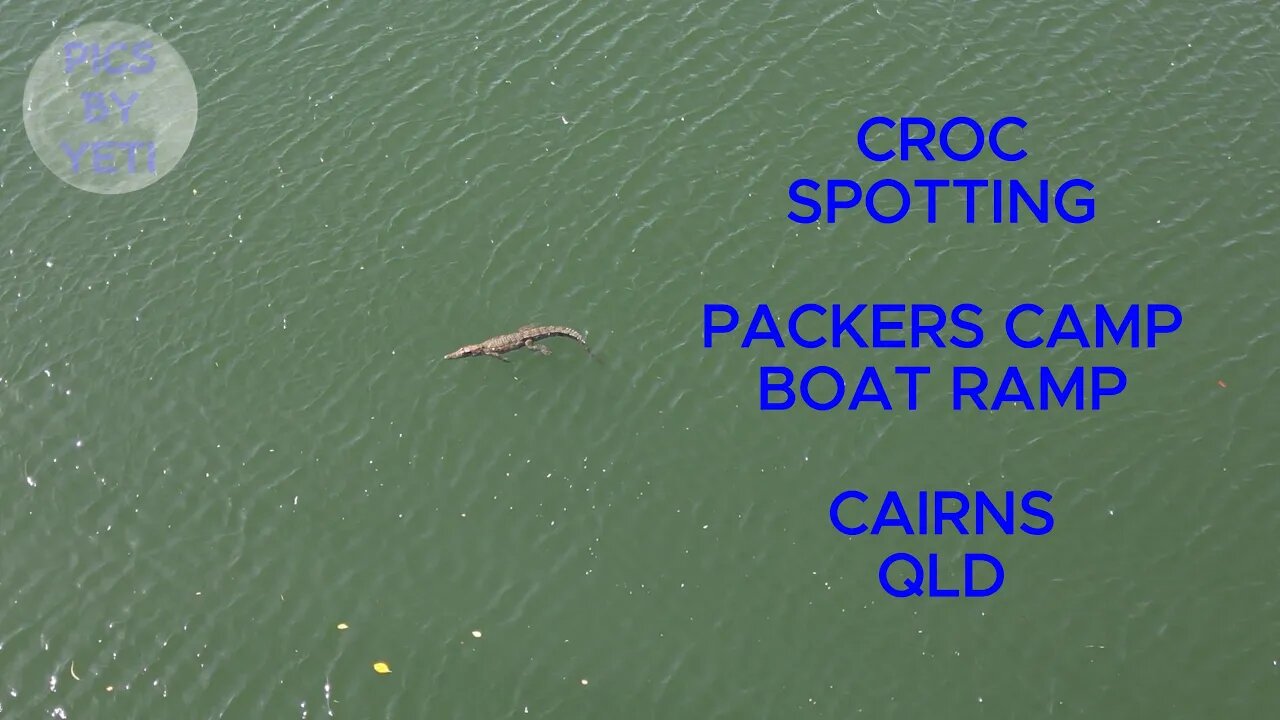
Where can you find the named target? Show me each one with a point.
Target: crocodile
(526, 337)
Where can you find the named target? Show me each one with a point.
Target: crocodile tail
(578, 336)
(568, 332)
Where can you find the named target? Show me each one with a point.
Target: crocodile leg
(496, 355)
(540, 348)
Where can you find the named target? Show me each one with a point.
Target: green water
(227, 427)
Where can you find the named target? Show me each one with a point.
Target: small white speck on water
(31, 481)
(475, 633)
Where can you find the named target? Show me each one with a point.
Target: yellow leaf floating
(381, 668)
(342, 626)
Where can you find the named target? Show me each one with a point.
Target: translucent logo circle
(110, 107)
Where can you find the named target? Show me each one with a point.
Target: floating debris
(342, 626)
(475, 633)
(584, 681)
(73, 670)
(381, 668)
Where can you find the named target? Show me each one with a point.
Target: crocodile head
(464, 351)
